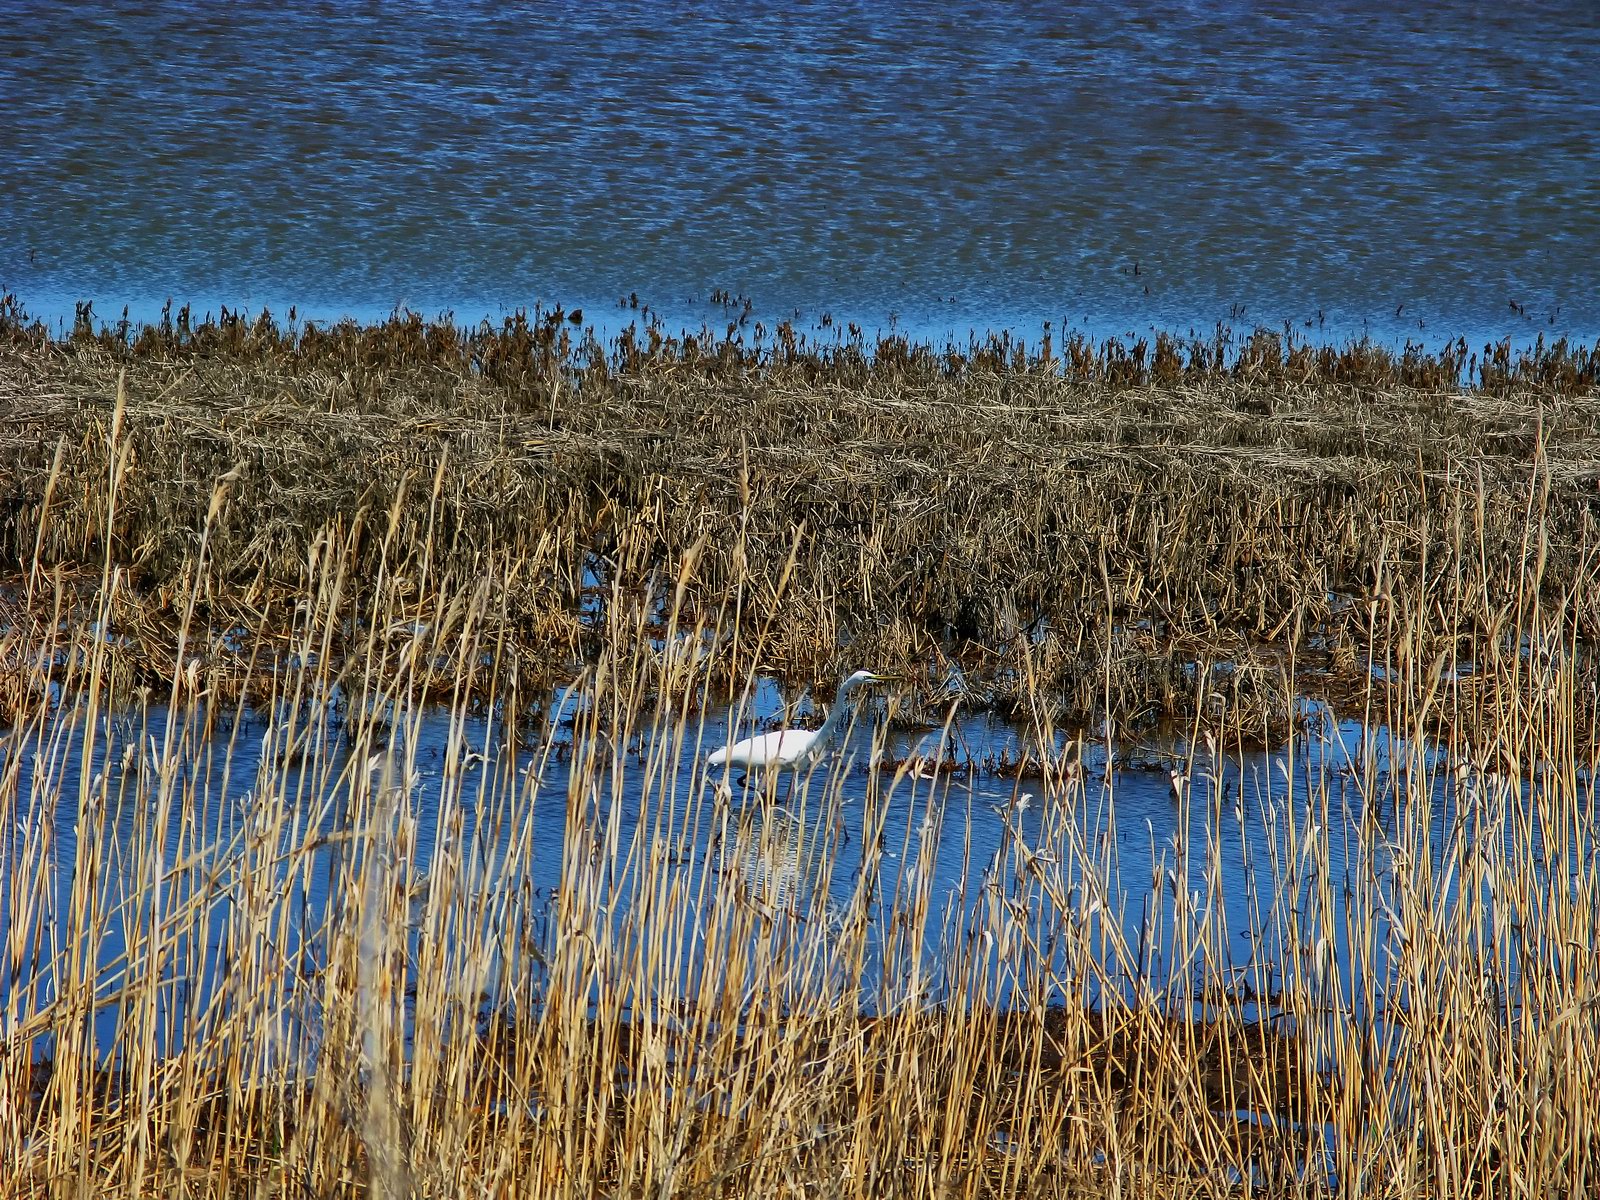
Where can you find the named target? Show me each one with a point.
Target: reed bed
(245, 565)
(1102, 517)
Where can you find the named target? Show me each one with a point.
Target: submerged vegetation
(239, 545)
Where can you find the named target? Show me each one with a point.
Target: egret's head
(861, 677)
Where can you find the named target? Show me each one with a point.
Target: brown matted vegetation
(224, 515)
(1095, 519)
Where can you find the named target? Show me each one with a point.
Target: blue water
(1124, 855)
(1353, 167)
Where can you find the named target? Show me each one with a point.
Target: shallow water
(1343, 168)
(1157, 870)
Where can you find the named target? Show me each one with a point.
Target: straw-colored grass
(1102, 517)
(1419, 1018)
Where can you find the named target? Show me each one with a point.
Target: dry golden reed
(1096, 518)
(235, 546)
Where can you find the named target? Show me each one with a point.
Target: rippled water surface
(1407, 170)
(1119, 841)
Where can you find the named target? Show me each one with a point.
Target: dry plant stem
(320, 988)
(1102, 518)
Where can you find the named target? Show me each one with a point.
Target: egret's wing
(764, 750)
(792, 743)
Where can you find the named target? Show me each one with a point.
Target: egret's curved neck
(835, 715)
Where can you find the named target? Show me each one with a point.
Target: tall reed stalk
(258, 941)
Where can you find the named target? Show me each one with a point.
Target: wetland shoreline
(1097, 523)
(411, 929)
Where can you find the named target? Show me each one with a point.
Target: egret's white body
(790, 749)
(1180, 783)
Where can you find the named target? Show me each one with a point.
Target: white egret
(791, 749)
(1179, 780)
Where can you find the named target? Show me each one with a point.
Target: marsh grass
(315, 988)
(1095, 519)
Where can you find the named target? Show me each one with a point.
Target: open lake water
(1347, 168)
